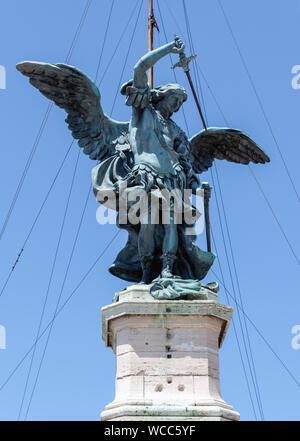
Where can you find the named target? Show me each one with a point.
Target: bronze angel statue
(149, 153)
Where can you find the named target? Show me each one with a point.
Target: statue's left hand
(195, 187)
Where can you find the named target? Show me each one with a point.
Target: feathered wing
(223, 143)
(73, 91)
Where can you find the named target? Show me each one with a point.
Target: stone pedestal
(167, 357)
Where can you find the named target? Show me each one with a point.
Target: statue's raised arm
(137, 90)
(75, 92)
(148, 60)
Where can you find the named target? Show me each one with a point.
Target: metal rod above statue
(151, 25)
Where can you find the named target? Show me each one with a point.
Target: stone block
(167, 357)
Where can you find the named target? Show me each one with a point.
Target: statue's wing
(223, 143)
(73, 91)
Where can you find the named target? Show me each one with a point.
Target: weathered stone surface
(167, 353)
(162, 312)
(155, 339)
(176, 363)
(162, 412)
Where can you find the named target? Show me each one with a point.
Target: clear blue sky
(77, 376)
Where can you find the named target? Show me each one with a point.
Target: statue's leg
(170, 246)
(146, 246)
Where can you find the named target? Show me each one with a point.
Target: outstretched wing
(222, 143)
(73, 91)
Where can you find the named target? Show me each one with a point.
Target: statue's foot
(146, 263)
(147, 282)
(167, 269)
(166, 274)
(212, 286)
(147, 278)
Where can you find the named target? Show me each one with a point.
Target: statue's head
(168, 98)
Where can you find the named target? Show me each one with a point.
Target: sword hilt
(183, 60)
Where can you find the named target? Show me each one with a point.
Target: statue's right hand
(178, 47)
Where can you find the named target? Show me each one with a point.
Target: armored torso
(152, 142)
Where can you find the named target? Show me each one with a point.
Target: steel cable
(42, 126)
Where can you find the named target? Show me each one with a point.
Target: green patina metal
(149, 153)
